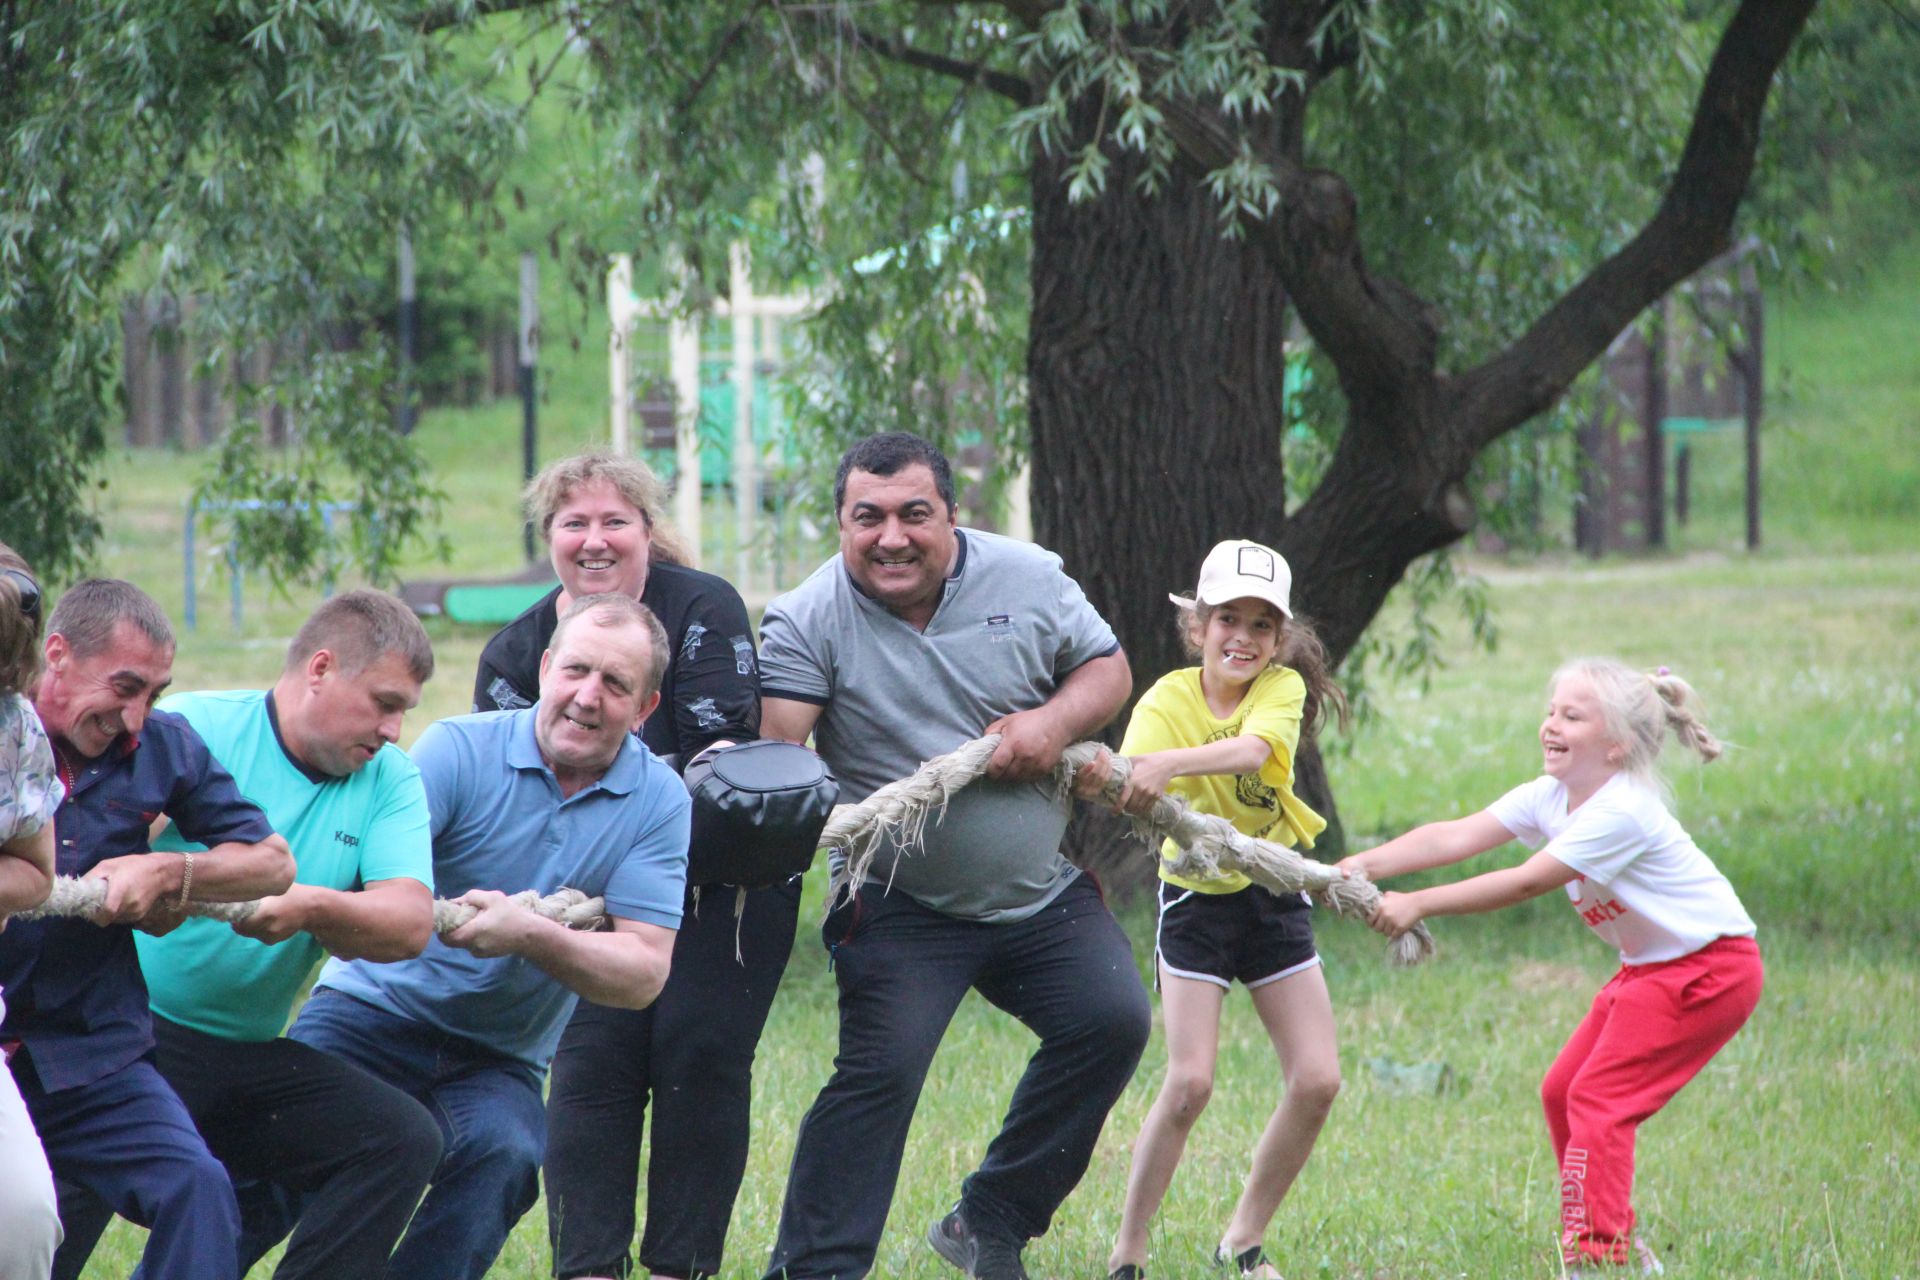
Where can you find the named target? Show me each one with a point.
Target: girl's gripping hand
(1147, 781)
(1089, 778)
(1397, 913)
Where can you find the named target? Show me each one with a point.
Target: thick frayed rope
(897, 815)
(569, 907)
(74, 898)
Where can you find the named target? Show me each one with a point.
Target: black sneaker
(1247, 1262)
(978, 1257)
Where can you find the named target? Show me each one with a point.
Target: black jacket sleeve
(716, 674)
(496, 687)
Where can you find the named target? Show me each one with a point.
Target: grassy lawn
(1794, 1155)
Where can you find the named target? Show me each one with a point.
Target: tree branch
(722, 49)
(1373, 329)
(1692, 226)
(1007, 86)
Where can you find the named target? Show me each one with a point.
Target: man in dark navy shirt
(78, 1032)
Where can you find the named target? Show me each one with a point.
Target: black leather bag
(758, 808)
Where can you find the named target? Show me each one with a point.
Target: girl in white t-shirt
(1690, 972)
(30, 791)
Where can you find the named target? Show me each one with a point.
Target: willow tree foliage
(1079, 232)
(257, 156)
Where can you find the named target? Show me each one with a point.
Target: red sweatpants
(1651, 1029)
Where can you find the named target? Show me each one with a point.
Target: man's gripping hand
(502, 928)
(136, 884)
(1030, 745)
(276, 919)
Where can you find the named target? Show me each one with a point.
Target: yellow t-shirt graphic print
(1174, 713)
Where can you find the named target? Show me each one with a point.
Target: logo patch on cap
(1256, 562)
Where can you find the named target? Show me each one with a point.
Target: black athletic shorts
(1253, 936)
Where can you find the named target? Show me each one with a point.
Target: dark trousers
(126, 1141)
(492, 1124)
(356, 1151)
(1067, 973)
(691, 1055)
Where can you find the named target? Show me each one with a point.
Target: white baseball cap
(1237, 569)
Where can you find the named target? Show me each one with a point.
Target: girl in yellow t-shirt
(1223, 735)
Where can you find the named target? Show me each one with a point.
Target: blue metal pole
(326, 523)
(193, 507)
(233, 570)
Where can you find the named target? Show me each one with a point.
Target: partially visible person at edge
(559, 794)
(919, 636)
(691, 1053)
(77, 1015)
(317, 752)
(30, 791)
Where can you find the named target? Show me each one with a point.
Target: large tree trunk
(1391, 495)
(1155, 367)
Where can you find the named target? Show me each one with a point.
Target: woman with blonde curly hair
(691, 1053)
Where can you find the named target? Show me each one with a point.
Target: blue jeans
(126, 1140)
(492, 1121)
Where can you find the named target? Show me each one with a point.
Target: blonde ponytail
(1681, 704)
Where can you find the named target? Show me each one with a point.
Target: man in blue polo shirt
(560, 794)
(317, 752)
(77, 1026)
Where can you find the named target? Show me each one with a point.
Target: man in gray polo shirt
(917, 637)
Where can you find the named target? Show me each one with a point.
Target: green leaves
(274, 503)
(1132, 56)
(1244, 189)
(256, 157)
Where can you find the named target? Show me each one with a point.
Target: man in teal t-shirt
(317, 753)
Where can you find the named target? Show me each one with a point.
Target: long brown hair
(1301, 650)
(19, 634)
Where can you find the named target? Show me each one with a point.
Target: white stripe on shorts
(1161, 960)
(1287, 972)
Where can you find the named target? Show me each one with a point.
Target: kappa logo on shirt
(999, 627)
(351, 841)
